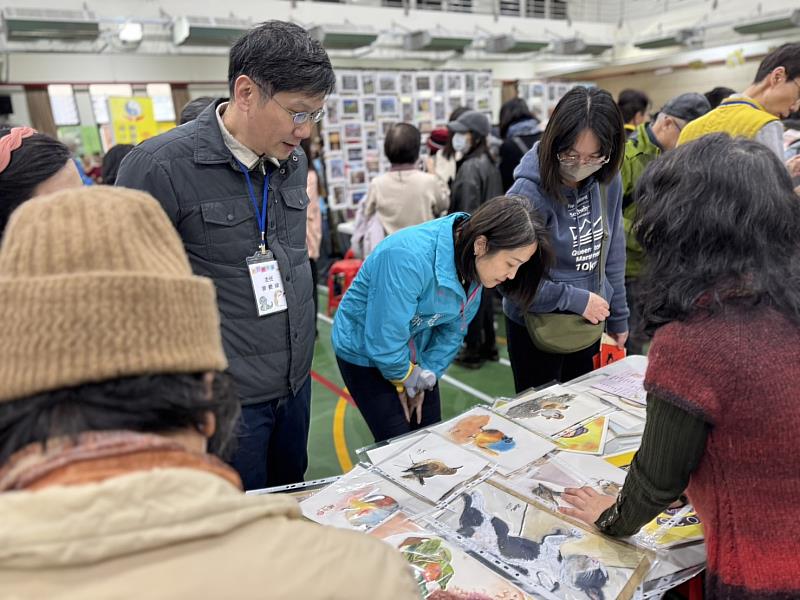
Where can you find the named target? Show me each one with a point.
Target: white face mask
(578, 172)
(459, 142)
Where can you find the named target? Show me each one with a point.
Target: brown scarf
(100, 455)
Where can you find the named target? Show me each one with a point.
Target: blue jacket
(407, 290)
(576, 231)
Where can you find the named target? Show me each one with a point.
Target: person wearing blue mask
(572, 178)
(405, 315)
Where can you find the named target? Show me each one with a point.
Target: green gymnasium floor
(337, 428)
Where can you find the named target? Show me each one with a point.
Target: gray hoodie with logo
(576, 231)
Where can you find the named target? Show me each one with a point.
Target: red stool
(340, 276)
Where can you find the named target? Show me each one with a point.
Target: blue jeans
(273, 440)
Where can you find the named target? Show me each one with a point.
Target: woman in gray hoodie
(562, 175)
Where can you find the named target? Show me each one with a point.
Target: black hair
(713, 234)
(632, 102)
(144, 404)
(480, 145)
(192, 109)
(281, 57)
(447, 150)
(786, 56)
(111, 162)
(507, 222)
(35, 161)
(717, 95)
(581, 108)
(402, 144)
(511, 112)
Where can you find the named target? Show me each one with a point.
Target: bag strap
(520, 144)
(604, 241)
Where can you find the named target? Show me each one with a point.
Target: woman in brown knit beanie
(719, 223)
(111, 395)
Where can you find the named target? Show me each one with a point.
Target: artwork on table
(360, 499)
(432, 467)
(369, 111)
(673, 527)
(349, 84)
(352, 132)
(336, 168)
(565, 560)
(367, 84)
(355, 154)
(387, 106)
(621, 460)
(350, 108)
(334, 139)
(588, 437)
(628, 385)
(552, 409)
(497, 439)
(387, 84)
(332, 111)
(544, 480)
(441, 568)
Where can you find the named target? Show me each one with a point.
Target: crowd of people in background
(146, 329)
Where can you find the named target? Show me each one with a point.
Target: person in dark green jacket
(645, 145)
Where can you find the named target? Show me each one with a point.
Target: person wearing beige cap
(112, 392)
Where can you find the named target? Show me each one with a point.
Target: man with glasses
(756, 112)
(233, 181)
(647, 143)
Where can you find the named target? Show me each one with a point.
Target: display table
(472, 503)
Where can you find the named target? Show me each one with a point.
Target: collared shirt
(241, 152)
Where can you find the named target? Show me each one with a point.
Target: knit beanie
(95, 285)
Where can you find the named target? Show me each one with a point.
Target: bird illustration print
(542, 561)
(548, 407)
(473, 429)
(428, 468)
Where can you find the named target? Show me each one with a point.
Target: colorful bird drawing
(493, 441)
(369, 510)
(427, 469)
(547, 407)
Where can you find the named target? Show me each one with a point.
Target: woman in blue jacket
(403, 319)
(580, 151)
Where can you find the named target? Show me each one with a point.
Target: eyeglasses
(570, 160)
(301, 118)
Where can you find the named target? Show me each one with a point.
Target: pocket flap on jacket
(226, 214)
(295, 198)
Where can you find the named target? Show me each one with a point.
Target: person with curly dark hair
(718, 221)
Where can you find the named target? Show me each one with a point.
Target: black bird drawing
(428, 468)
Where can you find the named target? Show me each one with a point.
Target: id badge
(265, 275)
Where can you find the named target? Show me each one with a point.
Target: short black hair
(111, 162)
(632, 102)
(717, 95)
(786, 56)
(145, 404)
(581, 108)
(36, 160)
(402, 144)
(281, 57)
(511, 112)
(714, 234)
(192, 109)
(507, 222)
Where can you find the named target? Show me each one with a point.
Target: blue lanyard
(261, 215)
(745, 102)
